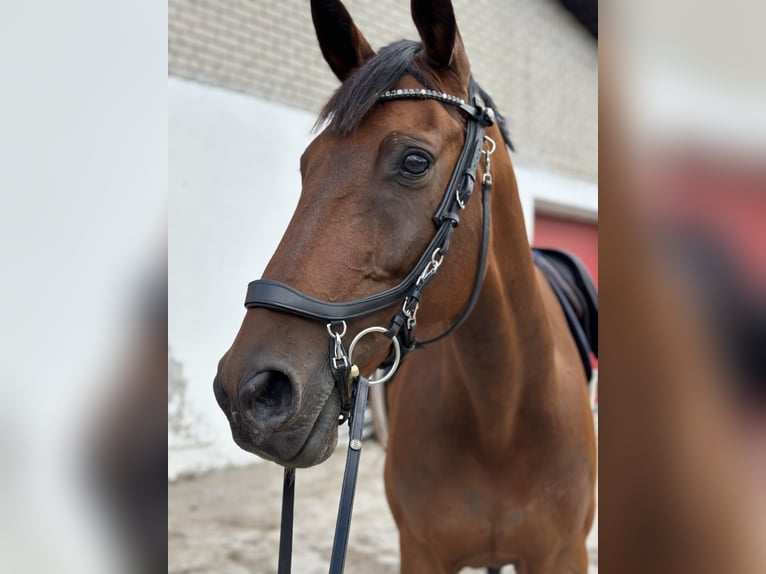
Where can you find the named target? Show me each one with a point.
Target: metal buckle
(430, 270)
(411, 314)
(432, 267)
(339, 360)
(487, 177)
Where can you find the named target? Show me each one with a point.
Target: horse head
(371, 183)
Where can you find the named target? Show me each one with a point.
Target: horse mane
(355, 97)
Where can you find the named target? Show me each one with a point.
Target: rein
(278, 296)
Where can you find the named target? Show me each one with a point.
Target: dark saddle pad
(577, 295)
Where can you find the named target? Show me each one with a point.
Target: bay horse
(491, 451)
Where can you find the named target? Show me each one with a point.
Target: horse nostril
(268, 396)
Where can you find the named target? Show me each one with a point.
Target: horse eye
(415, 164)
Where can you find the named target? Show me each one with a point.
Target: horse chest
(474, 511)
(466, 509)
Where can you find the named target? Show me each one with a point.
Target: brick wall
(538, 63)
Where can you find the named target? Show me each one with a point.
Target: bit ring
(397, 353)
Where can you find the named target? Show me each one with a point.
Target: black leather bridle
(278, 296)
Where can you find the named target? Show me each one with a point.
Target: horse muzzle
(266, 419)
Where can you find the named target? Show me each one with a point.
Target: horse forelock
(354, 98)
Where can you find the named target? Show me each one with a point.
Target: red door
(577, 237)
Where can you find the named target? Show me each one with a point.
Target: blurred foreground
(682, 205)
(83, 176)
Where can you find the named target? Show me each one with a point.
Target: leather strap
(398, 326)
(463, 177)
(340, 373)
(286, 527)
(346, 504)
(480, 270)
(279, 296)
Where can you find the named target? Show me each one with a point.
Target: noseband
(278, 296)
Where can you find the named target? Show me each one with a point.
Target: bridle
(278, 296)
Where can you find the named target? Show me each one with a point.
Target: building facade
(538, 62)
(247, 80)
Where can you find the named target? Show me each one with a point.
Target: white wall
(234, 182)
(553, 194)
(82, 210)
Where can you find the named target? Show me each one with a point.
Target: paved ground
(227, 521)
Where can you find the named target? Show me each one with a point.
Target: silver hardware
(487, 177)
(397, 352)
(432, 267)
(410, 314)
(406, 307)
(460, 202)
(492, 143)
(356, 444)
(333, 333)
(339, 360)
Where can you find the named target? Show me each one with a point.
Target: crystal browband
(423, 94)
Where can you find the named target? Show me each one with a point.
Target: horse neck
(505, 348)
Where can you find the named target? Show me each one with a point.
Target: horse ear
(343, 45)
(435, 21)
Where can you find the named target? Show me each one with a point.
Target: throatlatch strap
(286, 528)
(481, 268)
(343, 524)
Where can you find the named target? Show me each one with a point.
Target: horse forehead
(332, 163)
(412, 115)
